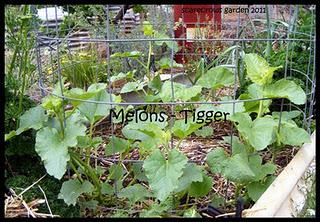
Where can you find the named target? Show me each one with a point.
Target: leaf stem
(274, 155)
(260, 108)
(141, 63)
(178, 144)
(149, 60)
(60, 121)
(76, 171)
(187, 201)
(238, 190)
(89, 148)
(89, 171)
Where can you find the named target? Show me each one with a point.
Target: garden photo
(166, 111)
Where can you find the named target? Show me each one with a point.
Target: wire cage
(137, 51)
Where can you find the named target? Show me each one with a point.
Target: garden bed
(151, 126)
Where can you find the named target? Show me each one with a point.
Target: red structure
(192, 16)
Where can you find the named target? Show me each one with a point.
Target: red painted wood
(190, 15)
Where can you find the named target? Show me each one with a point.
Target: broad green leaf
(34, 118)
(216, 77)
(242, 119)
(83, 141)
(158, 135)
(138, 172)
(163, 175)
(181, 92)
(134, 130)
(191, 173)
(53, 122)
(157, 209)
(94, 111)
(134, 193)
(129, 87)
(260, 171)
(53, 149)
(192, 213)
(228, 107)
(182, 129)
(235, 168)
(147, 146)
(150, 132)
(217, 160)
(165, 63)
(259, 133)
(155, 84)
(238, 169)
(286, 115)
(96, 87)
(204, 132)
(86, 142)
(116, 172)
(256, 189)
(286, 89)
(152, 98)
(72, 189)
(107, 189)
(255, 92)
(147, 28)
(74, 129)
(292, 135)
(77, 93)
(237, 145)
(200, 189)
(258, 70)
(120, 76)
(95, 142)
(116, 145)
(90, 205)
(99, 170)
(186, 94)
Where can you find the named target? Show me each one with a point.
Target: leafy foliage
(216, 77)
(163, 174)
(134, 193)
(259, 133)
(181, 92)
(72, 189)
(204, 132)
(55, 159)
(258, 69)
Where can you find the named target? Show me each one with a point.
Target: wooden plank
(271, 201)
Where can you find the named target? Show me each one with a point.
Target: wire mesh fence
(99, 50)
